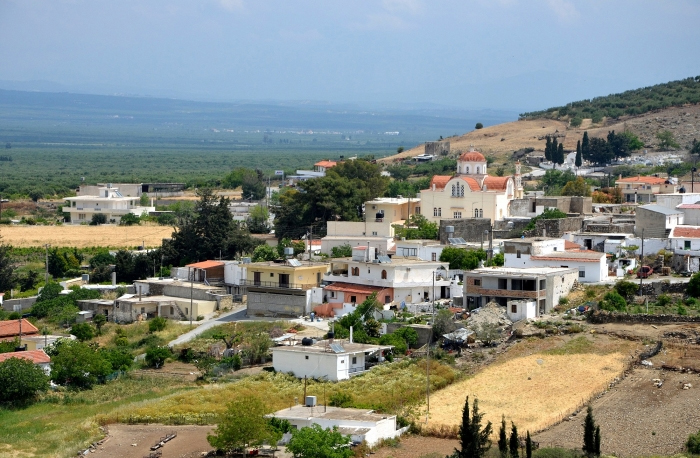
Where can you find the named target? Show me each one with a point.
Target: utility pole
(311, 239)
(46, 277)
(191, 293)
(641, 264)
(427, 355)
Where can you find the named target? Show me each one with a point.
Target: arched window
(467, 169)
(476, 213)
(383, 274)
(454, 193)
(435, 212)
(477, 170)
(461, 190)
(356, 271)
(481, 213)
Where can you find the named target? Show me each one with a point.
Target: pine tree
(514, 442)
(473, 439)
(589, 435)
(585, 147)
(548, 149)
(579, 160)
(502, 440)
(528, 446)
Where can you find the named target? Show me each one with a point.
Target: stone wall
(501, 229)
(615, 228)
(437, 148)
(423, 331)
(557, 227)
(470, 229)
(663, 287)
(603, 316)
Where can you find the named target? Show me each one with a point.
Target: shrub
(156, 356)
(157, 324)
(21, 380)
(83, 331)
(563, 301)
(682, 310)
(663, 300)
(479, 126)
(626, 289)
(612, 301)
(693, 443)
(341, 399)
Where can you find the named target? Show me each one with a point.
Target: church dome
(472, 156)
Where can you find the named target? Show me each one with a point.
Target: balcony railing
(276, 284)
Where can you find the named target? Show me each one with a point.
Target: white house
(109, 202)
(551, 252)
(428, 250)
(333, 361)
(360, 424)
(685, 243)
(691, 212)
(395, 280)
(521, 310)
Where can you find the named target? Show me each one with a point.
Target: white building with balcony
(109, 202)
(396, 281)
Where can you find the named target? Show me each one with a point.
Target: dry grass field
(536, 390)
(85, 236)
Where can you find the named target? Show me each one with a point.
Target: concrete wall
(272, 302)
(557, 227)
(423, 331)
(470, 229)
(533, 206)
(654, 223)
(19, 304)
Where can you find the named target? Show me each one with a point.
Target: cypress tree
(502, 440)
(579, 160)
(596, 441)
(560, 154)
(528, 446)
(473, 439)
(548, 149)
(514, 442)
(589, 434)
(585, 147)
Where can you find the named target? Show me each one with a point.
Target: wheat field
(533, 391)
(84, 236)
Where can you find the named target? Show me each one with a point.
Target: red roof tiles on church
(496, 183)
(472, 156)
(439, 181)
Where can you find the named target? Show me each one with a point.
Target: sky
(516, 55)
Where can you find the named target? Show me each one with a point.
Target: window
(439, 211)
(477, 282)
(272, 274)
(435, 211)
(502, 283)
(513, 308)
(433, 256)
(318, 277)
(454, 192)
(172, 311)
(555, 248)
(417, 210)
(306, 356)
(374, 232)
(543, 285)
(476, 213)
(383, 274)
(333, 294)
(517, 254)
(481, 213)
(457, 215)
(353, 299)
(477, 170)
(686, 244)
(81, 215)
(354, 359)
(467, 169)
(581, 272)
(387, 299)
(356, 271)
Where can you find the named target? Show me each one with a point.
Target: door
(256, 278)
(284, 280)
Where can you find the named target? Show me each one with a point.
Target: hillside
(628, 103)
(501, 140)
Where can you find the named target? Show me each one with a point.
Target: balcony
(278, 285)
(504, 292)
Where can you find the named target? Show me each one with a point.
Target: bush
(612, 302)
(156, 356)
(693, 443)
(663, 300)
(98, 218)
(479, 126)
(626, 289)
(83, 331)
(341, 399)
(21, 380)
(157, 324)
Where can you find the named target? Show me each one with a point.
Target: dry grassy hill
(502, 140)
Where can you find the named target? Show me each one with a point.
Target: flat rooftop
(324, 347)
(301, 412)
(514, 271)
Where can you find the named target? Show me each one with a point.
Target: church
(471, 192)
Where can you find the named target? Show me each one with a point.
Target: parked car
(644, 272)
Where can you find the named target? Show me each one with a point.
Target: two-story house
(656, 221)
(283, 288)
(644, 190)
(109, 202)
(394, 280)
(550, 252)
(685, 244)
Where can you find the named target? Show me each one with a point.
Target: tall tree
(514, 441)
(619, 145)
(560, 154)
(548, 149)
(599, 151)
(579, 160)
(7, 267)
(528, 446)
(502, 439)
(317, 442)
(585, 145)
(474, 440)
(242, 423)
(589, 435)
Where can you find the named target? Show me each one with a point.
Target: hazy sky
(505, 54)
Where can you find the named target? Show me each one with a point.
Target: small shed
(521, 310)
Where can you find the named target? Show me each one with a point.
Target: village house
(362, 425)
(550, 252)
(656, 221)
(332, 360)
(685, 244)
(377, 229)
(643, 190)
(12, 329)
(109, 201)
(38, 357)
(543, 285)
(394, 280)
(471, 192)
(283, 288)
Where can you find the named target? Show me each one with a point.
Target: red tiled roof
(473, 184)
(690, 232)
(10, 328)
(326, 164)
(472, 156)
(571, 245)
(205, 264)
(352, 288)
(440, 181)
(691, 206)
(640, 179)
(35, 356)
(496, 183)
